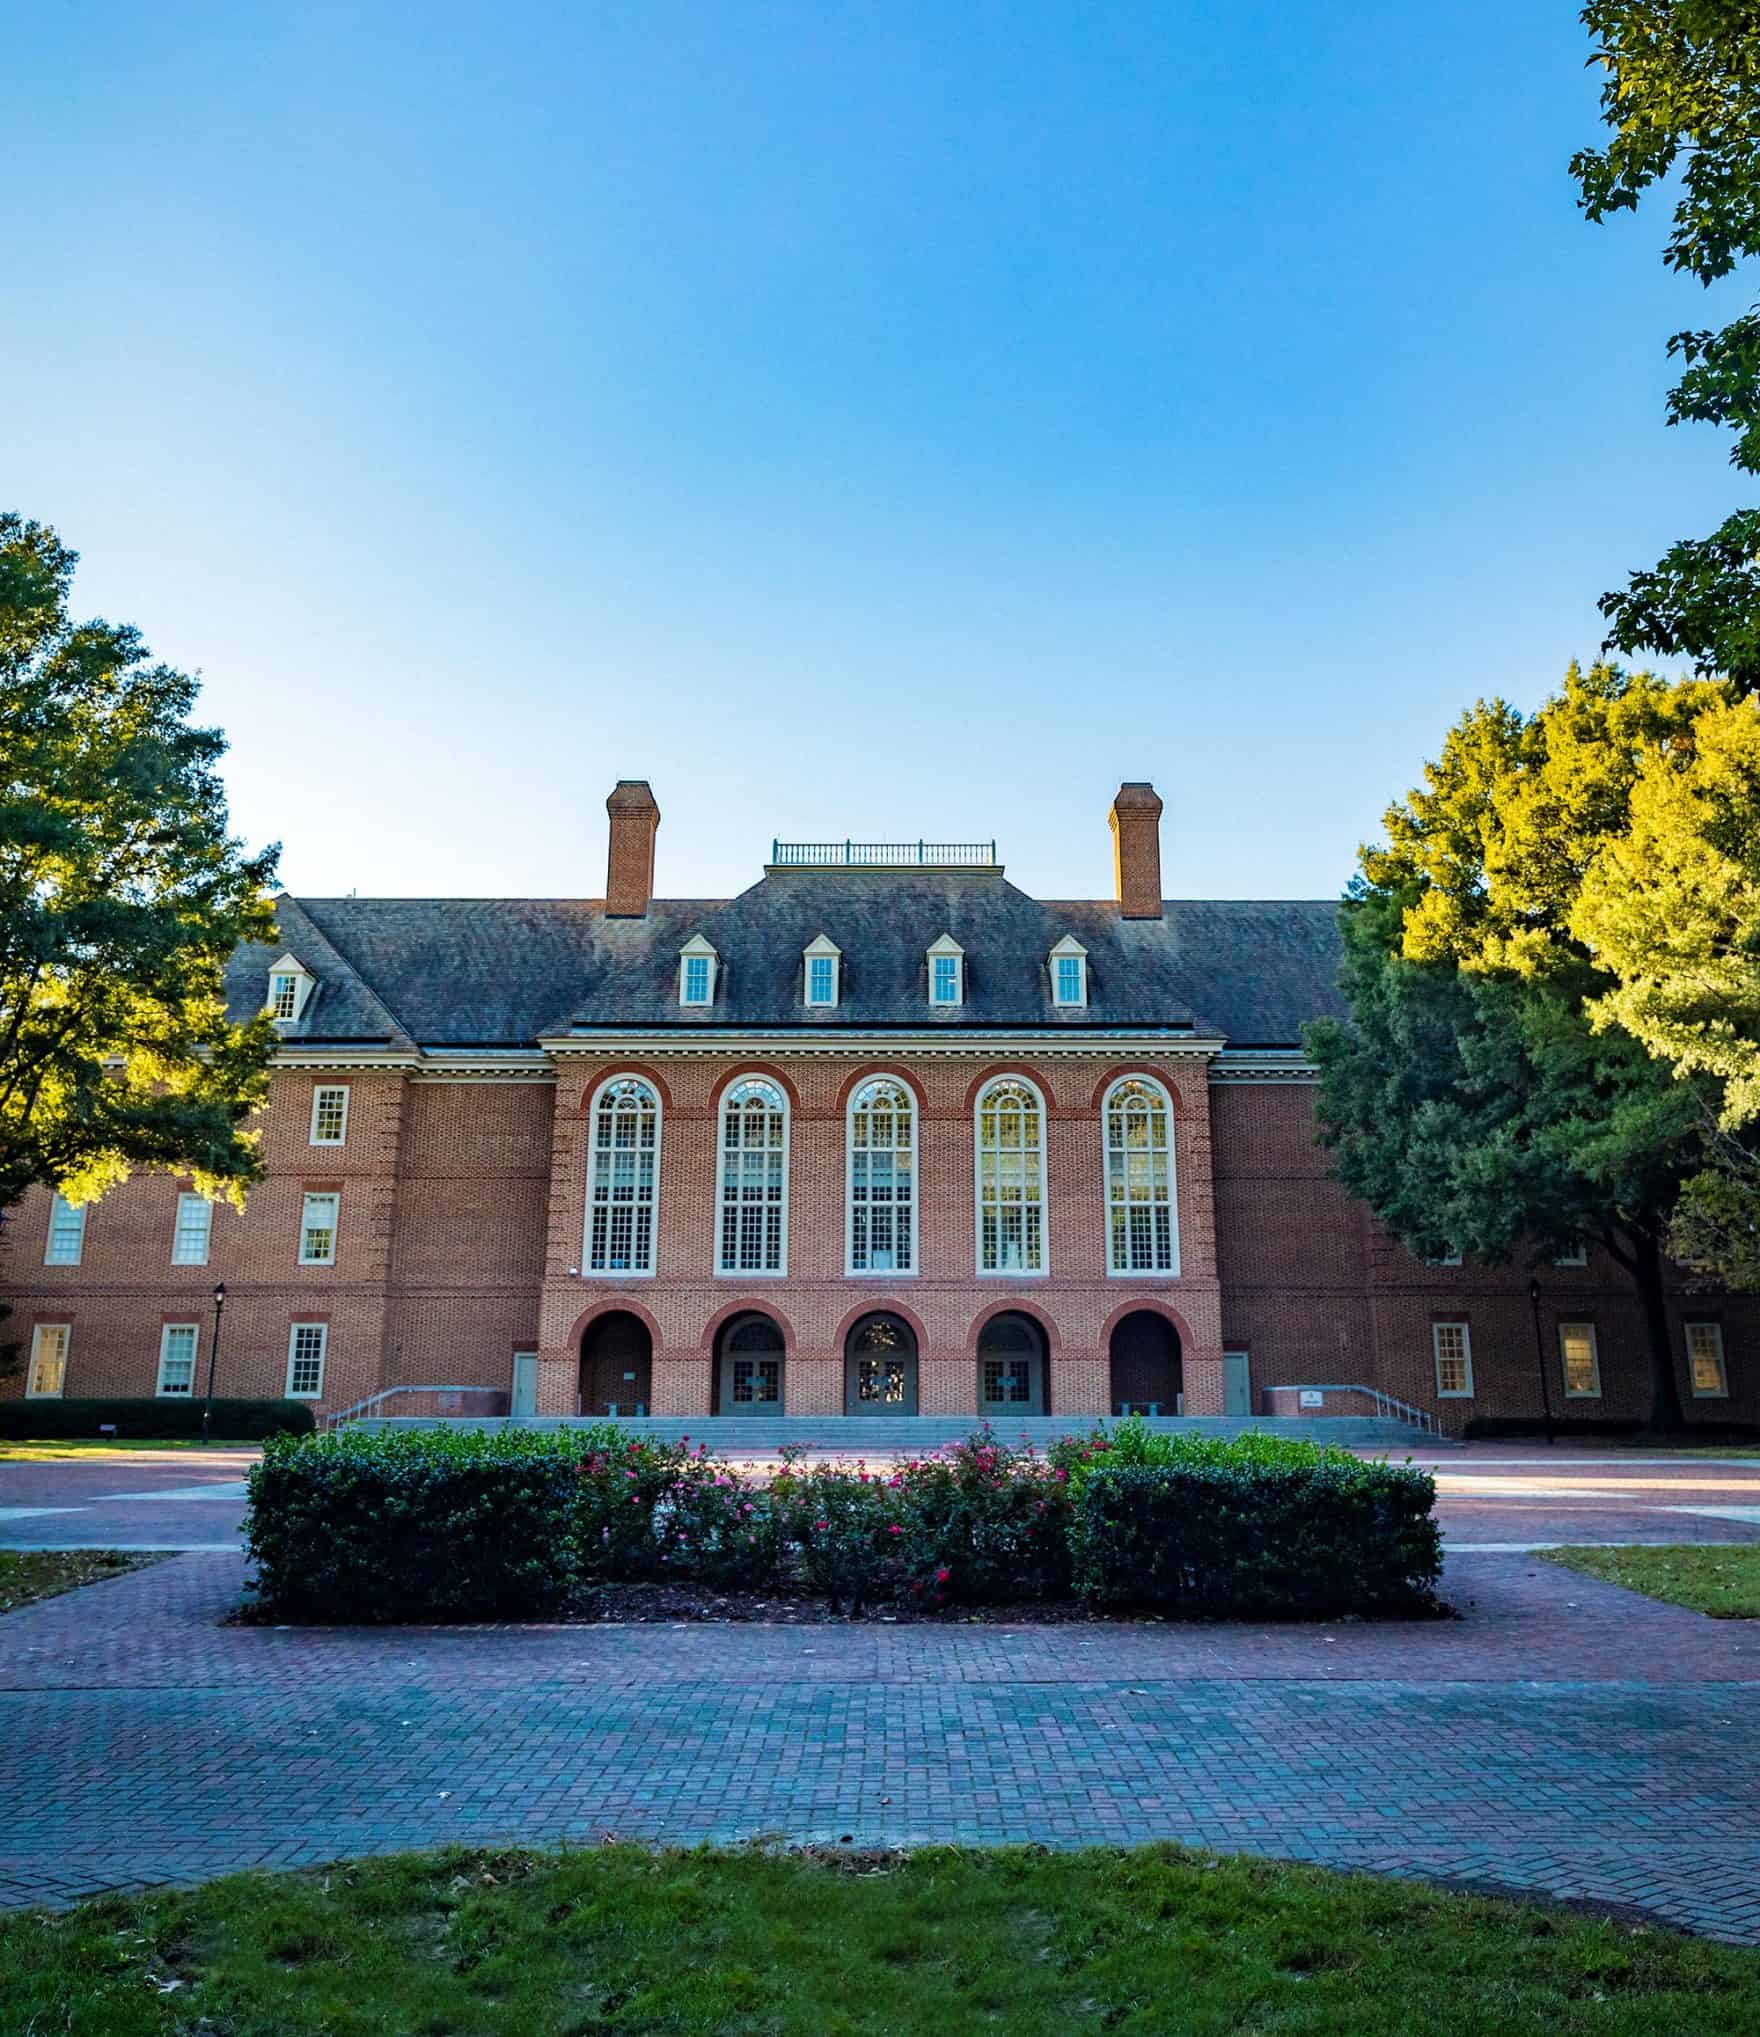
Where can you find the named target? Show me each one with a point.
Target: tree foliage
(121, 897)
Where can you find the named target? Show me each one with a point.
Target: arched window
(1141, 1232)
(624, 1178)
(1011, 1177)
(882, 1178)
(754, 1178)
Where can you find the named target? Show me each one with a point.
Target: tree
(1470, 1098)
(121, 897)
(1682, 92)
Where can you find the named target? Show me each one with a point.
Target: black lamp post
(213, 1356)
(1540, 1358)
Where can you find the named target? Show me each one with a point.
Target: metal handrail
(335, 1421)
(890, 853)
(1387, 1406)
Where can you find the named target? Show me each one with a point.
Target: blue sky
(904, 419)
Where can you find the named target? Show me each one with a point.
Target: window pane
(1576, 1343)
(317, 1245)
(1454, 1365)
(754, 1177)
(189, 1241)
(49, 1360)
(1139, 1179)
(305, 1360)
(1011, 1185)
(881, 1179)
(329, 1116)
(625, 1177)
(177, 1358)
(67, 1233)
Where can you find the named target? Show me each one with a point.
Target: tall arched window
(882, 1178)
(624, 1177)
(754, 1178)
(1011, 1177)
(1141, 1231)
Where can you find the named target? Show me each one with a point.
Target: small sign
(1311, 1397)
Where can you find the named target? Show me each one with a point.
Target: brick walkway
(142, 1741)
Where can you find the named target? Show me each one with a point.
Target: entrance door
(748, 1372)
(880, 1368)
(1237, 1389)
(1011, 1367)
(1144, 1366)
(525, 1384)
(617, 1365)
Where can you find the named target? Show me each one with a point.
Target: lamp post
(1540, 1358)
(213, 1356)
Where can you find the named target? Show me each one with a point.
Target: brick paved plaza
(1563, 1736)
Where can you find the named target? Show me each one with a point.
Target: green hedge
(422, 1524)
(234, 1420)
(1259, 1540)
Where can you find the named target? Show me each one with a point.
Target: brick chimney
(629, 873)
(1136, 849)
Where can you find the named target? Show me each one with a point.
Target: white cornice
(1263, 1064)
(494, 1064)
(820, 1041)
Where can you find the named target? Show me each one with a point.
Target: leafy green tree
(1682, 96)
(121, 897)
(1470, 1098)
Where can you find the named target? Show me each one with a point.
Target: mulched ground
(667, 1604)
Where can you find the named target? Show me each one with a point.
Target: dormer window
(947, 973)
(697, 969)
(290, 984)
(821, 967)
(1069, 972)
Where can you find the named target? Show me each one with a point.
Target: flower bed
(430, 1524)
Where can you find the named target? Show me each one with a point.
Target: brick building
(881, 1133)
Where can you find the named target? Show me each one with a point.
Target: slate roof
(503, 972)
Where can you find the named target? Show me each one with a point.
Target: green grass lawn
(100, 1446)
(1720, 1578)
(930, 1944)
(27, 1574)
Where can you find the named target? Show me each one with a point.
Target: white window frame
(65, 1217)
(1447, 1259)
(729, 1098)
(826, 952)
(603, 1119)
(1022, 1272)
(1581, 1392)
(306, 1226)
(32, 1391)
(1721, 1390)
(1466, 1330)
(696, 949)
(1114, 1154)
(912, 1202)
(1578, 1255)
(166, 1331)
(1069, 950)
(324, 1089)
(294, 1356)
(182, 1228)
(289, 970)
(947, 949)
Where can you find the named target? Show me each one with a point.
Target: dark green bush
(423, 1524)
(234, 1420)
(652, 1510)
(1259, 1540)
(983, 1523)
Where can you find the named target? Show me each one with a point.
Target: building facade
(881, 1134)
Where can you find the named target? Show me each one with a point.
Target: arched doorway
(1011, 1367)
(1145, 1366)
(748, 1367)
(880, 1367)
(617, 1365)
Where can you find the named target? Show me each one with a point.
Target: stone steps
(876, 1433)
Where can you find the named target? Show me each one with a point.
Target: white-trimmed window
(947, 973)
(67, 1233)
(1142, 1230)
(821, 967)
(329, 1114)
(882, 1229)
(624, 1177)
(1068, 963)
(1445, 1259)
(1010, 1133)
(307, 1345)
(290, 984)
(697, 968)
(48, 1373)
(195, 1224)
(317, 1230)
(1581, 1360)
(1705, 1366)
(753, 1187)
(1577, 1255)
(177, 1359)
(1452, 1345)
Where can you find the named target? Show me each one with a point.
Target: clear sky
(902, 419)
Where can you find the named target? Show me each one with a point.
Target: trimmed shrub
(848, 1527)
(983, 1523)
(1259, 1541)
(649, 1510)
(1132, 1441)
(234, 1420)
(423, 1524)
